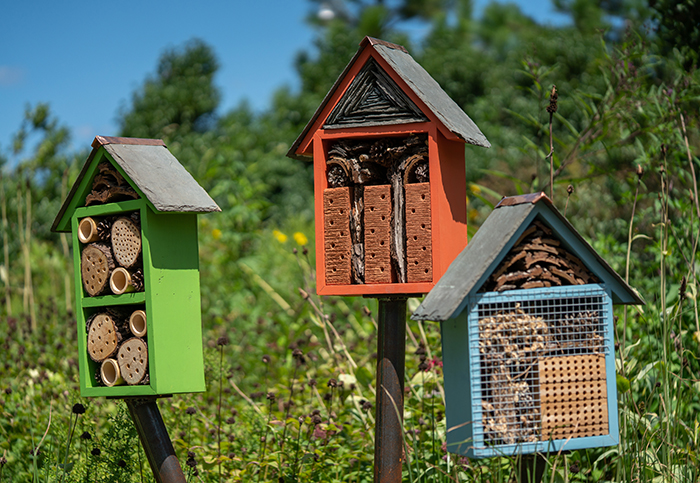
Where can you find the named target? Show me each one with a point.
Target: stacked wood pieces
(419, 253)
(378, 234)
(508, 345)
(538, 259)
(102, 260)
(338, 244)
(116, 343)
(392, 165)
(573, 391)
(109, 186)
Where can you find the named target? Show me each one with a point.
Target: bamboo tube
(87, 230)
(137, 323)
(110, 373)
(120, 281)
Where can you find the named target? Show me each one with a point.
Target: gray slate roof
(421, 83)
(492, 241)
(155, 171)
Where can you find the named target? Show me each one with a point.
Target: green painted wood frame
(171, 298)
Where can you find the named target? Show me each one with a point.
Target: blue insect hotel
(527, 336)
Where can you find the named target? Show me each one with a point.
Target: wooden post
(155, 440)
(391, 352)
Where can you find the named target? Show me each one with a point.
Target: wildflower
(85, 436)
(8, 390)
(216, 233)
(95, 452)
(312, 382)
(332, 382)
(223, 340)
(190, 410)
(300, 238)
(305, 251)
(3, 461)
(266, 359)
(570, 189)
(574, 468)
(270, 397)
(281, 237)
(366, 405)
(316, 419)
(78, 408)
(231, 420)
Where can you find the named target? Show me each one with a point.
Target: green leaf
(623, 384)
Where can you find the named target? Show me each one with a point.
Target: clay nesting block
(573, 391)
(419, 241)
(338, 244)
(378, 234)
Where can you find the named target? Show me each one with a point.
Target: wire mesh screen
(541, 366)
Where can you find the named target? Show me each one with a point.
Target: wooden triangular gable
(373, 99)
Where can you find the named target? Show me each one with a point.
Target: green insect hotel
(132, 213)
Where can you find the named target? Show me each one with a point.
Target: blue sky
(86, 58)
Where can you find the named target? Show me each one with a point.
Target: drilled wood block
(573, 395)
(337, 241)
(378, 234)
(575, 419)
(585, 367)
(419, 243)
(574, 391)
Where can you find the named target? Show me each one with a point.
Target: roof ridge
(104, 140)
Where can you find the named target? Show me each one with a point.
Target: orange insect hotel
(389, 176)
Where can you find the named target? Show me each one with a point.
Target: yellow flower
(281, 237)
(300, 238)
(474, 188)
(216, 233)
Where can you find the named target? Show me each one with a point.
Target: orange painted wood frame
(447, 185)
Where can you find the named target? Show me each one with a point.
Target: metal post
(391, 354)
(155, 440)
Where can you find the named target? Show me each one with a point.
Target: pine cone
(104, 228)
(337, 177)
(383, 152)
(422, 173)
(137, 280)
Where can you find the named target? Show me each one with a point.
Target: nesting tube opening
(137, 323)
(120, 281)
(87, 230)
(110, 373)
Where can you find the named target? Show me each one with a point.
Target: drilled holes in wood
(102, 338)
(573, 392)
(419, 243)
(96, 263)
(133, 360)
(338, 244)
(126, 242)
(378, 234)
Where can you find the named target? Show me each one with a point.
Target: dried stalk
(6, 249)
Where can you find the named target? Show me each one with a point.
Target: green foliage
(625, 138)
